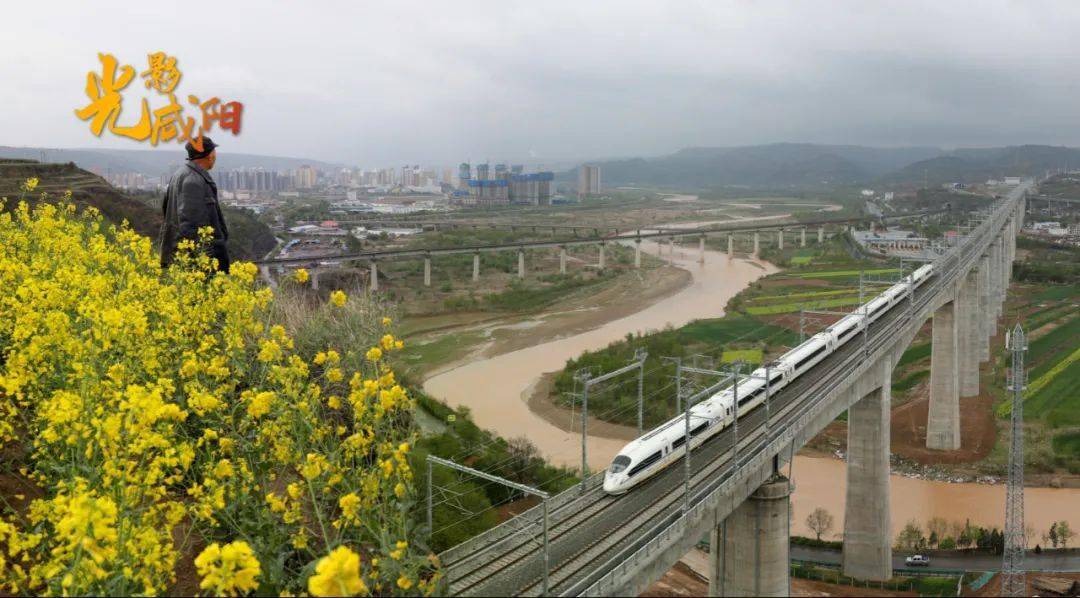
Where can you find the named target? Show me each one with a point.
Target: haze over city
(438, 82)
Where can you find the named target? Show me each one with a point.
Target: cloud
(388, 83)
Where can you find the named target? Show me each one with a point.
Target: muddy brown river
(496, 390)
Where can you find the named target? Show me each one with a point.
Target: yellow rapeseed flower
(228, 570)
(337, 574)
(301, 275)
(338, 298)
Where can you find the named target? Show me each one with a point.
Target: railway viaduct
(745, 238)
(599, 544)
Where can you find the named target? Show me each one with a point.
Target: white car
(917, 560)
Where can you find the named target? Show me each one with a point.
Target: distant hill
(773, 165)
(249, 238)
(151, 162)
(980, 164)
(809, 165)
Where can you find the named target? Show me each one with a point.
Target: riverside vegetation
(164, 432)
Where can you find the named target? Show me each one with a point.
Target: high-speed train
(646, 456)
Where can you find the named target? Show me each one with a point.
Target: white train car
(651, 453)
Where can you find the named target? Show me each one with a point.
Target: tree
(820, 522)
(1053, 535)
(947, 543)
(938, 528)
(1064, 533)
(911, 537)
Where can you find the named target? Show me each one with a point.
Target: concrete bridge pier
(701, 250)
(821, 234)
(943, 420)
(780, 238)
(601, 256)
(427, 271)
(757, 245)
(968, 333)
(671, 247)
(749, 549)
(730, 246)
(374, 275)
(521, 264)
(475, 267)
(867, 530)
(984, 308)
(315, 279)
(637, 253)
(1003, 271)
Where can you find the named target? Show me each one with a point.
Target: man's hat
(199, 147)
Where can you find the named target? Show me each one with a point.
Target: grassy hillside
(250, 239)
(87, 189)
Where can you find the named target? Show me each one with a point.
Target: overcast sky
(385, 83)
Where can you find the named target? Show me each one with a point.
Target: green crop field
(1059, 292)
(785, 308)
(845, 273)
(908, 382)
(753, 356)
(914, 353)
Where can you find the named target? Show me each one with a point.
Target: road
(1047, 561)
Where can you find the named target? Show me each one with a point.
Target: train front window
(620, 463)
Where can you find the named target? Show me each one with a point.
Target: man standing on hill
(191, 203)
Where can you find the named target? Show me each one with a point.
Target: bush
(165, 414)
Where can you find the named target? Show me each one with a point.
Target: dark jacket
(190, 203)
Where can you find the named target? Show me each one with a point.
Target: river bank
(497, 389)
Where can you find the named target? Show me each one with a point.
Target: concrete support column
(521, 264)
(780, 238)
(730, 246)
(993, 291)
(637, 253)
(427, 271)
(984, 309)
(701, 250)
(968, 331)
(802, 238)
(475, 267)
(943, 420)
(757, 245)
(821, 234)
(1003, 281)
(867, 529)
(374, 276)
(750, 548)
(601, 256)
(671, 246)
(315, 279)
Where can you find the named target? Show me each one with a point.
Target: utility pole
(1013, 578)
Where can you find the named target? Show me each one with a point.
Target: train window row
(647, 461)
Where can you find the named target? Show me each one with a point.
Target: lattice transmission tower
(1013, 581)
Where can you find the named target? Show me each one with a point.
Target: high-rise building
(305, 177)
(482, 171)
(588, 180)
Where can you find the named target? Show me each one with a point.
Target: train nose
(611, 483)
